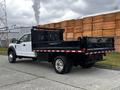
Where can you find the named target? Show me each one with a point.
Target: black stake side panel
(51, 39)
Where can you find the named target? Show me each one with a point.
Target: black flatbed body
(52, 39)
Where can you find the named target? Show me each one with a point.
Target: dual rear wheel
(62, 65)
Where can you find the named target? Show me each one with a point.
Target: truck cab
(21, 48)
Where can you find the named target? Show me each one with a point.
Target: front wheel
(62, 65)
(11, 57)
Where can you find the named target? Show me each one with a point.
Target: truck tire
(11, 57)
(62, 65)
(89, 65)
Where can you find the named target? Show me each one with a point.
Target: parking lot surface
(29, 75)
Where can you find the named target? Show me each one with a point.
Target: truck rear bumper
(98, 52)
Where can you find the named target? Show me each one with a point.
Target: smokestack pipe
(36, 7)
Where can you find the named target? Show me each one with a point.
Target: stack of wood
(99, 25)
(117, 32)
(87, 26)
(78, 29)
(109, 24)
(70, 25)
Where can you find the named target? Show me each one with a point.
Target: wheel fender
(11, 48)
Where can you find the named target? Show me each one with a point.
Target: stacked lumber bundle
(78, 29)
(117, 44)
(97, 26)
(70, 25)
(117, 32)
(87, 26)
(109, 25)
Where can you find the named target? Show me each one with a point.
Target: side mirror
(14, 40)
(18, 42)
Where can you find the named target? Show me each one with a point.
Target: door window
(29, 38)
(26, 38)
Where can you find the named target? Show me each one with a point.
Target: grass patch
(112, 59)
(3, 51)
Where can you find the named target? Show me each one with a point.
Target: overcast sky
(20, 12)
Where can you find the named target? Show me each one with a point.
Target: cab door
(23, 47)
(19, 45)
(27, 47)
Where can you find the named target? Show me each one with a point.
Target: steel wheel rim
(59, 65)
(10, 57)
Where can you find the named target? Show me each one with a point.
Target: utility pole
(3, 14)
(3, 22)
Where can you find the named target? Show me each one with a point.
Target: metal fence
(7, 35)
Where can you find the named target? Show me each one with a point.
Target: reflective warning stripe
(79, 51)
(67, 51)
(62, 50)
(75, 51)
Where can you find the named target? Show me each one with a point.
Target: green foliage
(3, 51)
(112, 59)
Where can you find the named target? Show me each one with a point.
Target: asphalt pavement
(29, 75)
